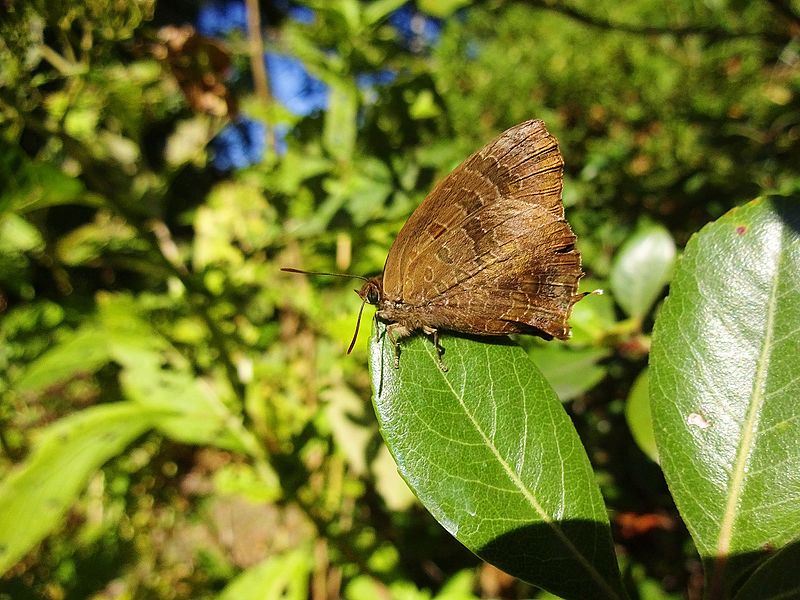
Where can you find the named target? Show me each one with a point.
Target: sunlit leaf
(380, 9)
(106, 234)
(442, 8)
(339, 134)
(282, 577)
(724, 386)
(82, 351)
(31, 185)
(37, 493)
(489, 450)
(641, 269)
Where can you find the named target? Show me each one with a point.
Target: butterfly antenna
(290, 270)
(358, 323)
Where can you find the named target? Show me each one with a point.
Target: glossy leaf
(637, 415)
(641, 269)
(724, 387)
(490, 451)
(37, 493)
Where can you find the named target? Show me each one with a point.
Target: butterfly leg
(396, 331)
(438, 345)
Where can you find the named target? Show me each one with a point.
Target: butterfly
(487, 253)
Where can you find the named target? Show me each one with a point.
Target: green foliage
(178, 418)
(641, 269)
(35, 496)
(281, 577)
(490, 452)
(724, 384)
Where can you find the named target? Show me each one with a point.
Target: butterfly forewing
(489, 251)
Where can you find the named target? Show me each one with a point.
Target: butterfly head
(372, 291)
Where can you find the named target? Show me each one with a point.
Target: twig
(257, 62)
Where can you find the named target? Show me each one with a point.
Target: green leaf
(197, 414)
(641, 269)
(776, 578)
(154, 374)
(83, 351)
(724, 386)
(18, 235)
(489, 450)
(37, 493)
(91, 241)
(339, 135)
(571, 371)
(379, 9)
(442, 8)
(282, 577)
(32, 185)
(593, 317)
(637, 415)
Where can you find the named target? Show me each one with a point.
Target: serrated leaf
(37, 493)
(641, 269)
(282, 577)
(725, 379)
(489, 450)
(638, 417)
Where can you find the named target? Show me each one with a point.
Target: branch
(649, 30)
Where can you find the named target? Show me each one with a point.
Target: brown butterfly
(488, 252)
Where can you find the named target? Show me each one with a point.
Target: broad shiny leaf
(725, 383)
(489, 450)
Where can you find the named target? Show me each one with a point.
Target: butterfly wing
(489, 251)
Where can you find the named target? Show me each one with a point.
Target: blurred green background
(179, 418)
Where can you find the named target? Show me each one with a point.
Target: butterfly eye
(373, 297)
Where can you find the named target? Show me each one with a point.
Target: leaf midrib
(519, 484)
(747, 441)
